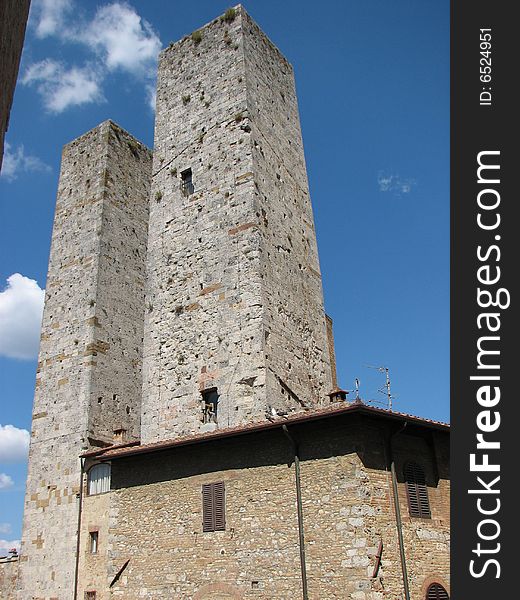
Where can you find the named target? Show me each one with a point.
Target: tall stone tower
(210, 253)
(234, 312)
(89, 375)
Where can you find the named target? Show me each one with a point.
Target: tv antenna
(357, 383)
(385, 389)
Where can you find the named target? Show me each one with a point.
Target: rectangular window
(187, 186)
(209, 405)
(98, 479)
(94, 540)
(213, 507)
(417, 491)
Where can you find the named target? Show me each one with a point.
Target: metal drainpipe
(398, 514)
(300, 510)
(76, 571)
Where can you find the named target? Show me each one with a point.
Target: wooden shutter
(213, 507)
(219, 504)
(417, 492)
(437, 592)
(207, 507)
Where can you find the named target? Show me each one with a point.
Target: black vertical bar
(484, 127)
(299, 504)
(78, 530)
(402, 553)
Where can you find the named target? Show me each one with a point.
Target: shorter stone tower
(235, 320)
(88, 383)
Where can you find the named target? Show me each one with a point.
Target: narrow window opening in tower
(209, 405)
(187, 186)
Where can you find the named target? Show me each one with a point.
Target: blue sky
(373, 83)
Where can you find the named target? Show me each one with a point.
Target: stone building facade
(183, 326)
(151, 541)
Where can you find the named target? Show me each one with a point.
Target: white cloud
(123, 38)
(16, 162)
(151, 93)
(21, 307)
(118, 39)
(41, 71)
(7, 545)
(61, 87)
(14, 444)
(50, 16)
(5, 528)
(394, 184)
(5, 481)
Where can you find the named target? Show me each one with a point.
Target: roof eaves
(134, 448)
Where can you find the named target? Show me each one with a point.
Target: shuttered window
(213, 507)
(437, 592)
(416, 490)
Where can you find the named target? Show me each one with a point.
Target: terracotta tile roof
(122, 450)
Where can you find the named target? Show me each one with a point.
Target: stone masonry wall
(296, 346)
(216, 278)
(349, 509)
(120, 301)
(92, 570)
(155, 519)
(8, 578)
(89, 361)
(427, 541)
